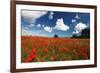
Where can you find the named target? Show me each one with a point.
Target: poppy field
(44, 49)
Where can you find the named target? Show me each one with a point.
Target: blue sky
(49, 23)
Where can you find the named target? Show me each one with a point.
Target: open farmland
(44, 49)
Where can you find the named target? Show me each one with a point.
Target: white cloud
(26, 28)
(79, 27)
(51, 15)
(43, 26)
(26, 32)
(31, 25)
(75, 32)
(88, 25)
(73, 20)
(38, 25)
(77, 16)
(60, 25)
(31, 16)
(48, 29)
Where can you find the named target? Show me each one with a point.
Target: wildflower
(53, 58)
(30, 58)
(62, 49)
(32, 55)
(34, 50)
(45, 50)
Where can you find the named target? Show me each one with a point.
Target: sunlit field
(44, 49)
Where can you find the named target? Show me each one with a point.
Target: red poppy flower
(45, 50)
(62, 49)
(34, 50)
(30, 58)
(32, 55)
(53, 58)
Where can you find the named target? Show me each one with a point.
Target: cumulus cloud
(31, 25)
(77, 16)
(43, 26)
(79, 27)
(38, 25)
(26, 32)
(73, 20)
(48, 29)
(75, 32)
(51, 15)
(88, 25)
(31, 16)
(60, 25)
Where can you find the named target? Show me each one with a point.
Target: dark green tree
(74, 36)
(55, 35)
(85, 33)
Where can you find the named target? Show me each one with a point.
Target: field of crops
(43, 49)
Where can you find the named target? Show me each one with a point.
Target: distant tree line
(84, 34)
